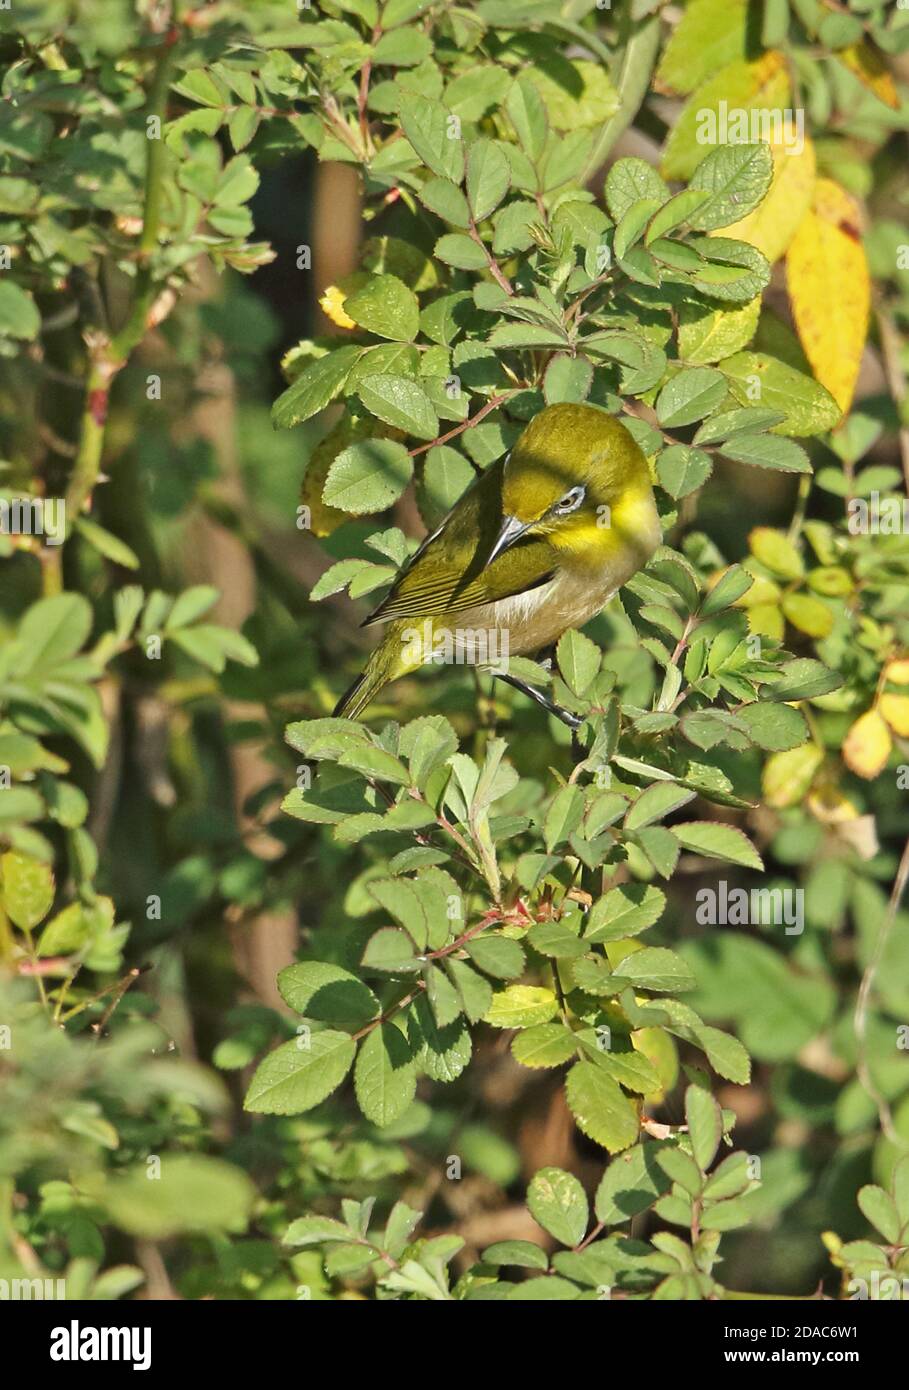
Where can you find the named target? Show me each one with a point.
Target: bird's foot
(572, 720)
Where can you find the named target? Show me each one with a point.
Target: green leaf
(527, 114)
(391, 949)
(804, 679)
(656, 802)
(729, 1179)
(558, 1203)
(624, 911)
(318, 384)
(579, 661)
(461, 251)
(774, 727)
(385, 1077)
(488, 178)
(194, 1193)
(678, 210)
(499, 956)
(28, 888)
(725, 1054)
(682, 1169)
(567, 379)
(294, 1077)
(444, 998)
(717, 841)
(399, 402)
(727, 590)
(630, 180)
(691, 395)
(316, 1230)
(369, 476)
(545, 1045)
(879, 1208)
(705, 1125)
(405, 48)
(709, 35)
(520, 335)
(735, 177)
(19, 317)
(767, 451)
(600, 1108)
(385, 306)
(475, 993)
(51, 631)
(446, 200)
(75, 927)
(107, 544)
(326, 992)
(521, 1006)
(757, 379)
(563, 816)
(708, 333)
(522, 1253)
(656, 968)
(682, 470)
(630, 1185)
(555, 939)
(435, 137)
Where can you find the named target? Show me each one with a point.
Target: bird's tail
(401, 650)
(364, 689)
(354, 700)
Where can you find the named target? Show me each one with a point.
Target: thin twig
(860, 1022)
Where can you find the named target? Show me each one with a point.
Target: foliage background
(152, 787)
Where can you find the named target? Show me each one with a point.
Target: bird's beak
(512, 530)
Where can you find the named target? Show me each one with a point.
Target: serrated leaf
(558, 1203)
(294, 1078)
(385, 1077)
(600, 1108)
(368, 477)
(725, 842)
(705, 1125)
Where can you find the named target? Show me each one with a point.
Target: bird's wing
(449, 574)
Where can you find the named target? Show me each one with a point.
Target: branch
(864, 994)
(108, 356)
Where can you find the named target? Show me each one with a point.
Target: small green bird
(538, 544)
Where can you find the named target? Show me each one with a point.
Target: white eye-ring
(571, 501)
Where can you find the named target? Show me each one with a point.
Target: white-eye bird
(538, 544)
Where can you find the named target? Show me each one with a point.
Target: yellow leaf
(766, 620)
(870, 69)
(788, 776)
(868, 744)
(763, 590)
(775, 550)
(776, 220)
(808, 614)
(829, 805)
(895, 709)
(898, 671)
(332, 306)
(830, 290)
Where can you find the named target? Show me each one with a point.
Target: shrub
(471, 873)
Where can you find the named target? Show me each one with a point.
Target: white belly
(533, 620)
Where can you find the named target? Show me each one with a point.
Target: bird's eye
(571, 501)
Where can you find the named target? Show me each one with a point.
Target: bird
(537, 544)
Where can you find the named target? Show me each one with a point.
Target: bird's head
(577, 478)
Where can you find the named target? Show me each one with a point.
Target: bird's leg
(566, 717)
